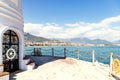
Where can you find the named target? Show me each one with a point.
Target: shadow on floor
(40, 60)
(13, 74)
(12, 77)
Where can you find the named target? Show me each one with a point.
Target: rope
(116, 56)
(103, 57)
(85, 52)
(59, 50)
(71, 51)
(29, 50)
(46, 50)
(86, 58)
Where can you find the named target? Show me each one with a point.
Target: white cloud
(45, 30)
(105, 29)
(108, 21)
(73, 25)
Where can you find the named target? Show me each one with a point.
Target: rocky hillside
(32, 38)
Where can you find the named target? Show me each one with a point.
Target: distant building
(11, 35)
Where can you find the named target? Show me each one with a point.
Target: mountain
(31, 38)
(89, 41)
(117, 42)
(99, 41)
(80, 40)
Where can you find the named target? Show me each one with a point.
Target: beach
(66, 69)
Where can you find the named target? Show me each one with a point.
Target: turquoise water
(102, 53)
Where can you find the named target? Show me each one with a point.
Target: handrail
(79, 55)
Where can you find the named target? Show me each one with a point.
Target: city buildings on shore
(56, 43)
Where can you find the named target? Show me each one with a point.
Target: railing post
(78, 56)
(52, 51)
(65, 52)
(93, 57)
(34, 52)
(111, 60)
(40, 52)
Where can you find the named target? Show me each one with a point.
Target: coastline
(66, 44)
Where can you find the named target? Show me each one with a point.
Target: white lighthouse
(11, 35)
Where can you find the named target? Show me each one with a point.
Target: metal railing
(88, 56)
(50, 52)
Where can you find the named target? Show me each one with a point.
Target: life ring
(11, 54)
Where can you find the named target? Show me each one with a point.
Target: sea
(101, 53)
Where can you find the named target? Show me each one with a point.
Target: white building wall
(11, 19)
(11, 13)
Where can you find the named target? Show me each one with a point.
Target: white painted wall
(11, 13)
(25, 62)
(11, 19)
(1, 68)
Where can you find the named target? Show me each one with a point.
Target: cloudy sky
(73, 18)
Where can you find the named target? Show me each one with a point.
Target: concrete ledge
(26, 57)
(1, 64)
(4, 73)
(1, 67)
(4, 76)
(31, 66)
(25, 62)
